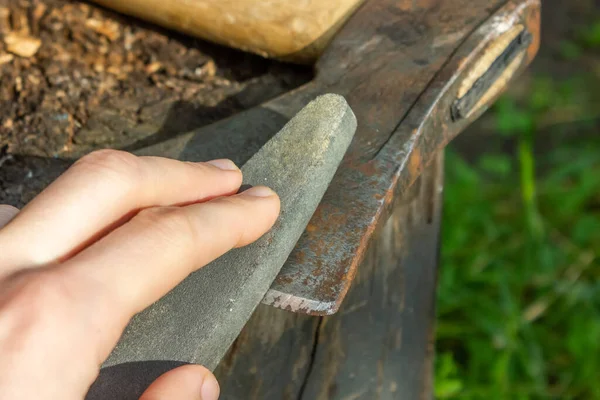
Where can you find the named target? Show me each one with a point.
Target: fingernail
(210, 388)
(224, 164)
(259, 191)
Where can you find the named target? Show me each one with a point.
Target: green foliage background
(519, 287)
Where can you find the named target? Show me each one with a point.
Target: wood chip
(114, 70)
(38, 13)
(22, 45)
(153, 67)
(98, 67)
(105, 28)
(33, 79)
(129, 39)
(207, 70)
(4, 19)
(6, 58)
(20, 21)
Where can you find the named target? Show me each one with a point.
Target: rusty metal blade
(414, 75)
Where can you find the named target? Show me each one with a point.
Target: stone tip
(331, 103)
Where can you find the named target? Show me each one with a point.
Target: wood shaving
(153, 67)
(106, 28)
(21, 45)
(4, 19)
(6, 58)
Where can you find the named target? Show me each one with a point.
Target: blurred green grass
(519, 288)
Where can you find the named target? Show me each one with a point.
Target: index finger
(96, 193)
(142, 260)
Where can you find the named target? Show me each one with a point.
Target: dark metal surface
(401, 66)
(406, 79)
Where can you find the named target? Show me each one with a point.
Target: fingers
(100, 191)
(7, 213)
(189, 382)
(142, 260)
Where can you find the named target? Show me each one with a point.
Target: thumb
(189, 382)
(7, 213)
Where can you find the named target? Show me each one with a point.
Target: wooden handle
(296, 31)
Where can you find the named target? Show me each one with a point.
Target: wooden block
(296, 31)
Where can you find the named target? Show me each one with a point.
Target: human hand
(109, 237)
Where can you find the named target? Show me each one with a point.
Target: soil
(100, 79)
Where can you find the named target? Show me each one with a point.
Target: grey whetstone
(199, 319)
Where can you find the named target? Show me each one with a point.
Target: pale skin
(110, 236)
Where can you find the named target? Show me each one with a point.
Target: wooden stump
(379, 345)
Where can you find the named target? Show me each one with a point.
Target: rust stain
(380, 196)
(368, 169)
(406, 5)
(533, 20)
(415, 163)
(285, 279)
(412, 5)
(312, 227)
